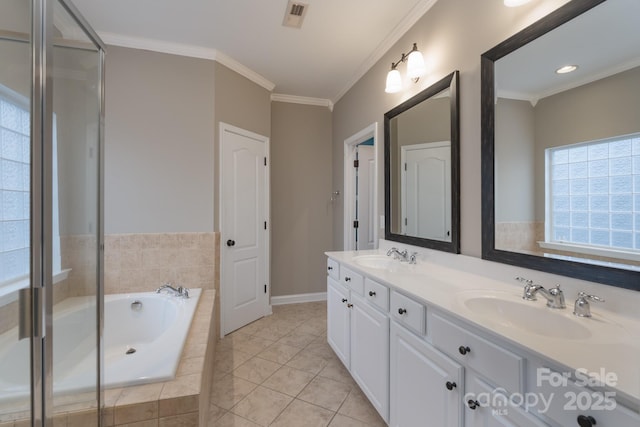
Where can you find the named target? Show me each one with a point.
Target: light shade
(394, 81)
(415, 64)
(515, 3)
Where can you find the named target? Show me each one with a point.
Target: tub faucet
(179, 291)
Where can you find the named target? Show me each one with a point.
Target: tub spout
(179, 291)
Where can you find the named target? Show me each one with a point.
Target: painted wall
(159, 149)
(451, 35)
(301, 208)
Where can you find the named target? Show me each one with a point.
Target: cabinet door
(419, 374)
(338, 314)
(370, 353)
(490, 407)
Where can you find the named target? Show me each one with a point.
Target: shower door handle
(29, 321)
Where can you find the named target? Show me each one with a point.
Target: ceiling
(602, 42)
(338, 42)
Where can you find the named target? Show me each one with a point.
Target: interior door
(426, 190)
(364, 197)
(244, 248)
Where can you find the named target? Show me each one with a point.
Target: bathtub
(144, 334)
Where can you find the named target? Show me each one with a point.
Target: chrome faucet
(582, 308)
(402, 256)
(179, 291)
(554, 296)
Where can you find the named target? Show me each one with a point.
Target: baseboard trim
(295, 299)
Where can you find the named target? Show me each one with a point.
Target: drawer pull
(372, 294)
(473, 404)
(402, 310)
(450, 386)
(347, 279)
(344, 300)
(586, 421)
(349, 305)
(464, 350)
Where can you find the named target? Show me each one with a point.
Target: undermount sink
(508, 311)
(380, 262)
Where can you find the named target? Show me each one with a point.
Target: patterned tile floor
(280, 371)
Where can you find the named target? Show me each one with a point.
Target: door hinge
(265, 289)
(265, 161)
(356, 163)
(265, 225)
(405, 167)
(355, 224)
(405, 221)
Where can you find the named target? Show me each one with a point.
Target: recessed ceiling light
(515, 3)
(566, 69)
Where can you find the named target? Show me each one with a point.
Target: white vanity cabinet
(358, 332)
(426, 386)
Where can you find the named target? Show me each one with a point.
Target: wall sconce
(415, 69)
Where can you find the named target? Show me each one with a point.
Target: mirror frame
(628, 279)
(450, 82)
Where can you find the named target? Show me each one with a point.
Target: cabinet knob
(329, 268)
(402, 310)
(473, 404)
(372, 294)
(586, 421)
(347, 279)
(464, 350)
(344, 300)
(349, 305)
(231, 242)
(450, 386)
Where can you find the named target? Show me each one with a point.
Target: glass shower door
(15, 257)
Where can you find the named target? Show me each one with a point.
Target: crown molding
(405, 25)
(293, 99)
(187, 50)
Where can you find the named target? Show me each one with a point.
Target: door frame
(225, 127)
(350, 144)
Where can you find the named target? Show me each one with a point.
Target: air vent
(295, 14)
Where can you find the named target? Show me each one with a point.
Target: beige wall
(301, 209)
(452, 35)
(159, 149)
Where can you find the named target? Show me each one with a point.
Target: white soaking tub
(144, 334)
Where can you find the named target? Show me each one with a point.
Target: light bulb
(394, 81)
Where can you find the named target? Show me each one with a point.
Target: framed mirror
(561, 144)
(422, 168)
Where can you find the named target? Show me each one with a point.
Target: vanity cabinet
(358, 332)
(426, 387)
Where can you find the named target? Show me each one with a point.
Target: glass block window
(593, 190)
(14, 190)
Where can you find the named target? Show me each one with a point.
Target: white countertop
(613, 347)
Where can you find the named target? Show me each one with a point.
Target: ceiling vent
(295, 14)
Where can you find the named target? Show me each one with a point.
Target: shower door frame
(42, 407)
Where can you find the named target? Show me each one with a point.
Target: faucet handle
(581, 307)
(413, 257)
(524, 280)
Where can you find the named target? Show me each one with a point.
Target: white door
(243, 224)
(426, 190)
(425, 385)
(370, 353)
(364, 197)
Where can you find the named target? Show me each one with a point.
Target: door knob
(231, 242)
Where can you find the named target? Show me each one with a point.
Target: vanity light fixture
(415, 69)
(566, 69)
(515, 3)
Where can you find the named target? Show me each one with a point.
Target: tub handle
(136, 305)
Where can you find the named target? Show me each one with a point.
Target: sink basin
(508, 311)
(380, 262)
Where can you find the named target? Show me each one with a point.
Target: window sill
(9, 292)
(591, 250)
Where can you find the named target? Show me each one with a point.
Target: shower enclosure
(51, 232)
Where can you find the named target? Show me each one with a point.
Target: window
(15, 157)
(593, 191)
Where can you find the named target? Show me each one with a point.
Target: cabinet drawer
(333, 269)
(408, 312)
(498, 365)
(376, 294)
(352, 280)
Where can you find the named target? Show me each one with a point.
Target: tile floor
(280, 371)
